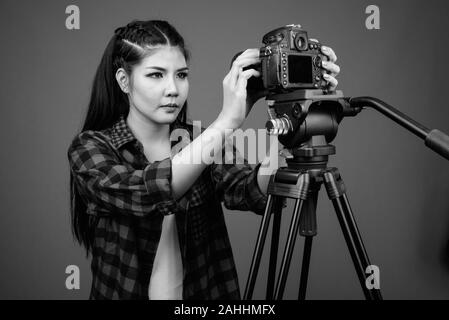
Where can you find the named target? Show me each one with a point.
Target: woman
(153, 221)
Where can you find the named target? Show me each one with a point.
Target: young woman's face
(159, 85)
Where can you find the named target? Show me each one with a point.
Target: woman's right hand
(234, 110)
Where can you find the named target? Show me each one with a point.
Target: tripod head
(300, 117)
(306, 121)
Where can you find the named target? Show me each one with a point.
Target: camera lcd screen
(300, 69)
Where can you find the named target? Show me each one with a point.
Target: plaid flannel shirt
(127, 197)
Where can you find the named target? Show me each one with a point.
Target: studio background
(397, 187)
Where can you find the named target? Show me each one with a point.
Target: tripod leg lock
(304, 185)
(334, 184)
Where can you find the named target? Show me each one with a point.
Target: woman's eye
(183, 75)
(155, 75)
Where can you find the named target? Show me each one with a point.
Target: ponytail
(107, 102)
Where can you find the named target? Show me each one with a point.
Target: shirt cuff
(157, 177)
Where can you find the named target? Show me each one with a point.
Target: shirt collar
(121, 134)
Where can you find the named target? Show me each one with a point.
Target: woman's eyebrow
(163, 69)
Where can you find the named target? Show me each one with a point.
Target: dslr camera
(289, 62)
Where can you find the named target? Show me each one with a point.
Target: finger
(331, 81)
(246, 61)
(250, 53)
(237, 68)
(329, 52)
(246, 58)
(331, 67)
(244, 76)
(250, 73)
(313, 40)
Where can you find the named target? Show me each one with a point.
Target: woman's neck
(145, 130)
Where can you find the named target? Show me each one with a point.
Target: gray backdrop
(397, 187)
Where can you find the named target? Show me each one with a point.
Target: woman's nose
(171, 88)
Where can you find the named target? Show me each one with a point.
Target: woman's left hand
(332, 69)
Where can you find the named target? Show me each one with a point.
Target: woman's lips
(171, 107)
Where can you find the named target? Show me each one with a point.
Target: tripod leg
(337, 193)
(305, 268)
(255, 262)
(308, 230)
(286, 259)
(277, 205)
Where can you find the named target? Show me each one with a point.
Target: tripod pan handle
(439, 142)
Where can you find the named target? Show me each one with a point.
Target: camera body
(289, 61)
(300, 104)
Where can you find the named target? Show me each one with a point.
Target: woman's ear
(122, 79)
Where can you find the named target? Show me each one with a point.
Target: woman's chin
(168, 118)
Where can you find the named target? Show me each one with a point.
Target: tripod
(302, 180)
(301, 118)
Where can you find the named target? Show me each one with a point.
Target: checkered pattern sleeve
(236, 185)
(105, 181)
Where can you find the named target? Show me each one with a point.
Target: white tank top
(167, 275)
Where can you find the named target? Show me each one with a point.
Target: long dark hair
(127, 47)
